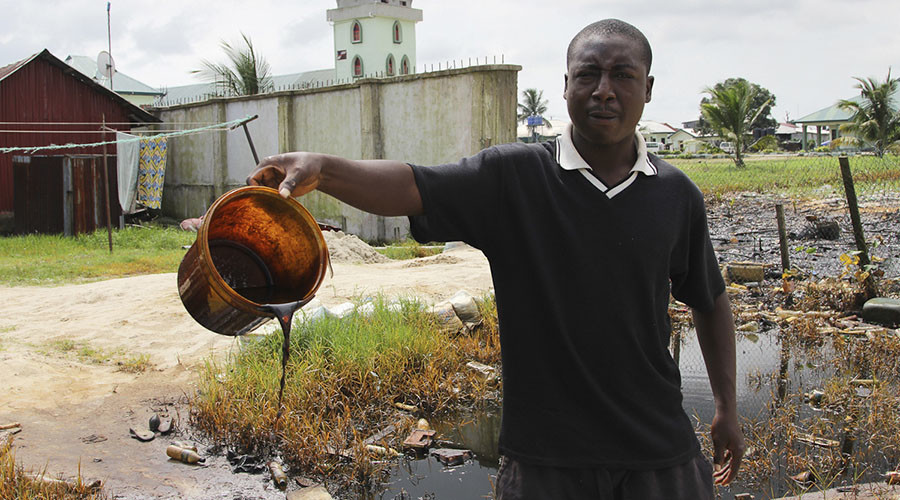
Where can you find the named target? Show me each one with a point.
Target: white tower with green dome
(374, 38)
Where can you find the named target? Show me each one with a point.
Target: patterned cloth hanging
(152, 172)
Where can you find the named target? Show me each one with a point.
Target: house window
(404, 66)
(389, 65)
(402, 3)
(356, 30)
(398, 35)
(357, 67)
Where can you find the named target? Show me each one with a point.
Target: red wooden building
(44, 101)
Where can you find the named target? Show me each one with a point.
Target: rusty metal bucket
(253, 248)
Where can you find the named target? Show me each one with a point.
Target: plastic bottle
(278, 475)
(184, 455)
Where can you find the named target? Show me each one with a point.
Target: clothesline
(94, 131)
(32, 149)
(131, 124)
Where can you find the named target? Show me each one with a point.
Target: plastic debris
(278, 475)
(183, 455)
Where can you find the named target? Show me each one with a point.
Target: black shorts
(522, 481)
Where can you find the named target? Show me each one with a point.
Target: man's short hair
(612, 27)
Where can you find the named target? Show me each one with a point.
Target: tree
(875, 119)
(730, 112)
(760, 97)
(533, 104)
(245, 74)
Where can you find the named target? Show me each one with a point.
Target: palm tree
(247, 73)
(875, 118)
(730, 112)
(533, 104)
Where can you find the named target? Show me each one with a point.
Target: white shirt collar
(569, 159)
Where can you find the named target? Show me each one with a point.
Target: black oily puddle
(428, 478)
(758, 355)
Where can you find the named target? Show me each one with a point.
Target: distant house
(656, 132)
(135, 92)
(684, 140)
(827, 122)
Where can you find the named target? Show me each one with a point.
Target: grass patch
(407, 249)
(16, 482)
(54, 259)
(343, 379)
(791, 175)
(135, 364)
(63, 346)
(87, 353)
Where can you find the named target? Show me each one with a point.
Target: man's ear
(649, 89)
(565, 84)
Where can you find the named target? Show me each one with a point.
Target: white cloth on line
(127, 157)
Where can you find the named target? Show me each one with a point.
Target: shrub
(765, 142)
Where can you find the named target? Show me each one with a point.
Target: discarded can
(278, 475)
(184, 455)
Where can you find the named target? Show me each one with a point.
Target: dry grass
(343, 380)
(19, 484)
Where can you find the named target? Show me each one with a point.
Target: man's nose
(604, 90)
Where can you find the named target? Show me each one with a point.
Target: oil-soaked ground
(95, 434)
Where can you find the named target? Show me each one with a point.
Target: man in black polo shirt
(586, 236)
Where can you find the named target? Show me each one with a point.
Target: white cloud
(804, 51)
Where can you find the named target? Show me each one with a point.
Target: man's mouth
(602, 115)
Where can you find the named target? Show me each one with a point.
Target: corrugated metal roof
(834, 114)
(651, 127)
(11, 68)
(122, 83)
(137, 113)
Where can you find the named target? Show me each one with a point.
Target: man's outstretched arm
(381, 187)
(715, 330)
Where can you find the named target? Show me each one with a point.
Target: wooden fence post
(869, 282)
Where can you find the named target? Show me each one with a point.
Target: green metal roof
(834, 114)
(123, 83)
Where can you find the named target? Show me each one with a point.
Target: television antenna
(110, 64)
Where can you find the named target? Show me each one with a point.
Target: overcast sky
(804, 51)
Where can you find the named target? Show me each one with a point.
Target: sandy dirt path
(75, 410)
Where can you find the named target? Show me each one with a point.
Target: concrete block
(743, 272)
(882, 311)
(451, 457)
(314, 493)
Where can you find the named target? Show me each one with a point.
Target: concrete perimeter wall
(425, 119)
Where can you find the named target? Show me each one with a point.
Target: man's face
(606, 88)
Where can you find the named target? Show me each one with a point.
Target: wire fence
(221, 90)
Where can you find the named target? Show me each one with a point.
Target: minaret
(374, 38)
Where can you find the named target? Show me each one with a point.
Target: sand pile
(350, 249)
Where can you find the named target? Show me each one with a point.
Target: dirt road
(63, 351)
